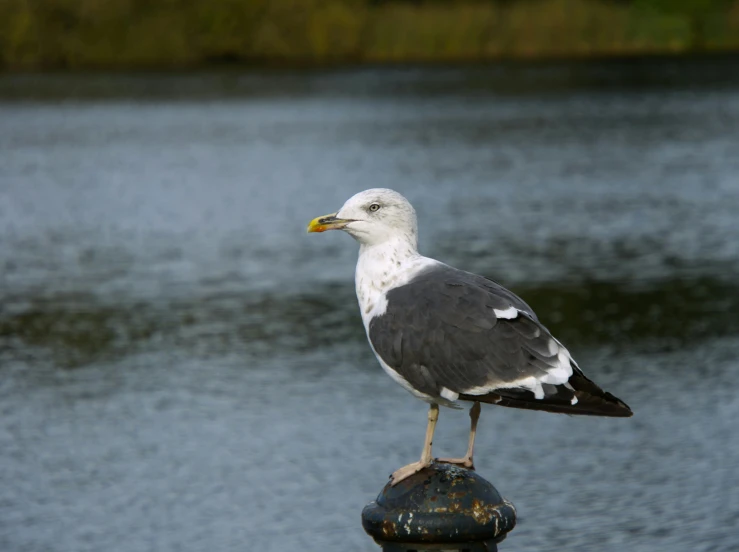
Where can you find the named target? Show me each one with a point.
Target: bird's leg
(426, 458)
(467, 460)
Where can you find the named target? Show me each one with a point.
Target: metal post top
(440, 504)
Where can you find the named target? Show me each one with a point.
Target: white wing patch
(556, 375)
(530, 383)
(559, 374)
(448, 394)
(509, 314)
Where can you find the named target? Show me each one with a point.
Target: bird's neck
(381, 267)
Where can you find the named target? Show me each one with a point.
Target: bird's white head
(373, 217)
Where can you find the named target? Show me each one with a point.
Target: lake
(183, 368)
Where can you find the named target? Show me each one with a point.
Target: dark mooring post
(443, 507)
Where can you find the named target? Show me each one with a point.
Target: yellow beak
(327, 222)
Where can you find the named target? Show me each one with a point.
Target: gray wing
(449, 332)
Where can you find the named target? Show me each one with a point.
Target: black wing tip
(606, 405)
(619, 408)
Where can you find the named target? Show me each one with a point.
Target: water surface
(183, 368)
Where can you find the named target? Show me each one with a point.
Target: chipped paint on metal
(388, 529)
(407, 525)
(442, 504)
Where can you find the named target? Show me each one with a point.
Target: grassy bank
(156, 33)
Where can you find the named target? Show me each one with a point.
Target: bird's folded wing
(449, 333)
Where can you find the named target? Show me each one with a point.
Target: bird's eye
(374, 207)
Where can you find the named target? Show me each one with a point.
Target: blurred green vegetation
(140, 33)
(701, 16)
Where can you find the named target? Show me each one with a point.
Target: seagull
(447, 335)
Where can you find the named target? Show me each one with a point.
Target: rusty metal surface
(441, 504)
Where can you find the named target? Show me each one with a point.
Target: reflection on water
(81, 329)
(183, 368)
